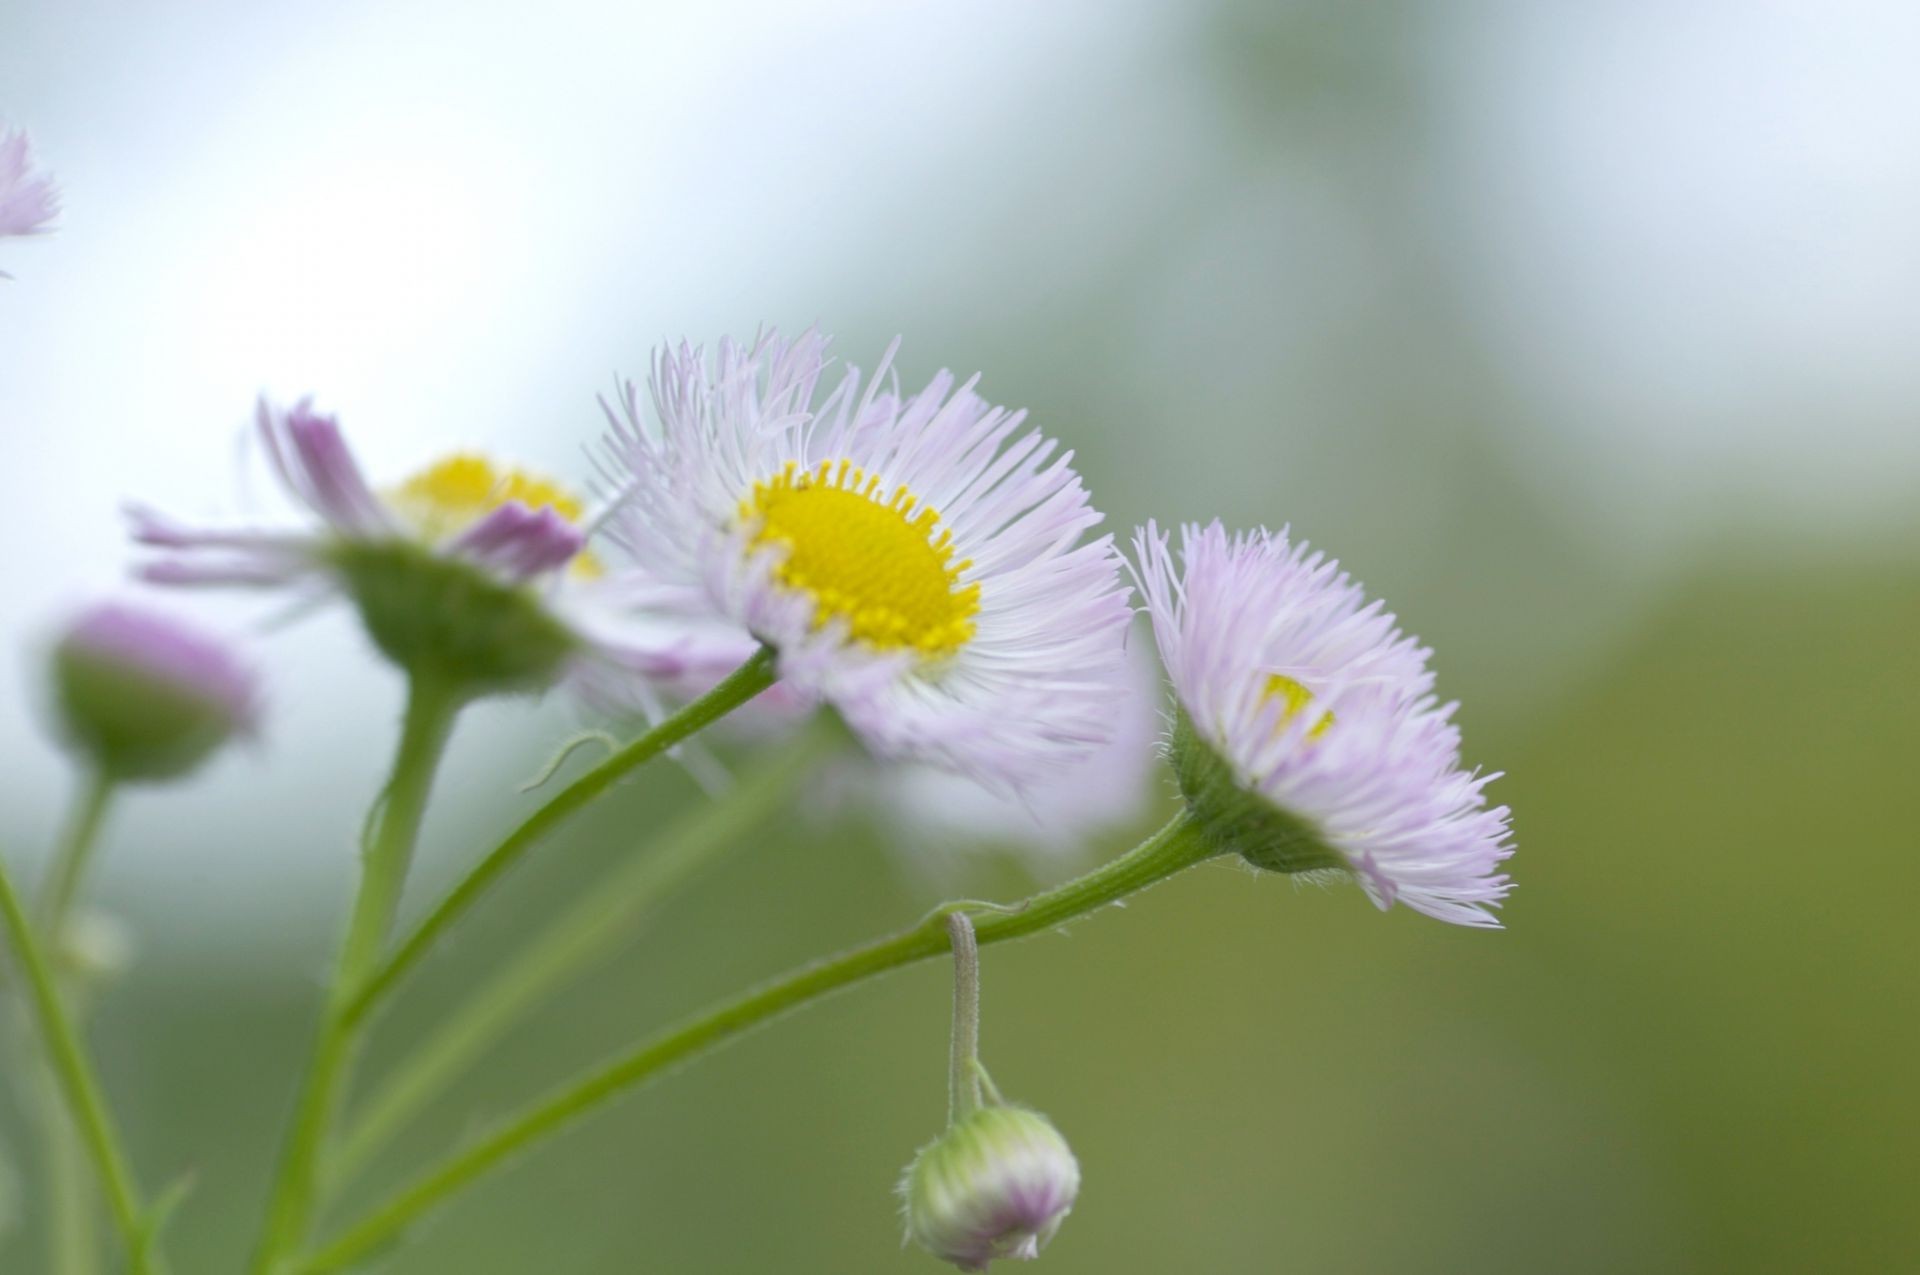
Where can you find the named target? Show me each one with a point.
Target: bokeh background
(1584, 333)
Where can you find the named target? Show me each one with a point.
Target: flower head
(145, 697)
(28, 200)
(459, 567)
(917, 561)
(996, 1184)
(1309, 737)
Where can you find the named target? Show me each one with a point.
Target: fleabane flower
(1308, 736)
(461, 570)
(920, 562)
(28, 200)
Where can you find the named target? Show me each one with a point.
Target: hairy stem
(605, 917)
(386, 856)
(1174, 848)
(963, 1064)
(745, 682)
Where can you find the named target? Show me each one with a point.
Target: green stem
(591, 930)
(70, 1215)
(67, 1057)
(75, 853)
(432, 707)
(963, 1063)
(70, 1195)
(745, 682)
(1175, 847)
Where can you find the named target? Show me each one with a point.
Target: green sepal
(1233, 820)
(440, 617)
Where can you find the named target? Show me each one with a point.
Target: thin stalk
(745, 682)
(1174, 848)
(70, 1195)
(67, 1057)
(386, 856)
(74, 855)
(70, 1214)
(963, 1063)
(604, 918)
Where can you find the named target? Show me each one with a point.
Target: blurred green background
(1581, 334)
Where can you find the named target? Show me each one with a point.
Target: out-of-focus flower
(1308, 736)
(996, 1184)
(917, 562)
(28, 200)
(1055, 817)
(144, 697)
(480, 573)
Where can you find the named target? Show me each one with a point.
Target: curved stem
(67, 1057)
(573, 942)
(963, 1063)
(745, 682)
(1174, 848)
(431, 709)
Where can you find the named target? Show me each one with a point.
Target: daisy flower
(1309, 738)
(919, 562)
(467, 567)
(28, 200)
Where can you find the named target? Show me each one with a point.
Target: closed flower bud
(143, 697)
(995, 1185)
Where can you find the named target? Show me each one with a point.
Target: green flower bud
(996, 1184)
(143, 697)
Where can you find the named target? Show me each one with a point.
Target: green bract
(440, 617)
(1232, 819)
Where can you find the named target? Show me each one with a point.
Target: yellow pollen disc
(1294, 700)
(881, 562)
(451, 495)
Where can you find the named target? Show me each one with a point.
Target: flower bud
(996, 1184)
(145, 697)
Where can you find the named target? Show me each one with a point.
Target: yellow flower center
(883, 564)
(1294, 700)
(451, 495)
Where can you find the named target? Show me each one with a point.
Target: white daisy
(1309, 737)
(919, 562)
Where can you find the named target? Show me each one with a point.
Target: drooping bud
(144, 697)
(996, 1184)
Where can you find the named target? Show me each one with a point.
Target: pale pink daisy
(481, 567)
(1309, 737)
